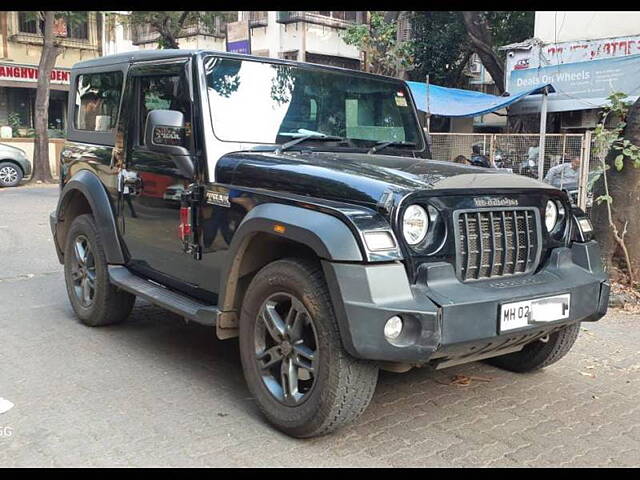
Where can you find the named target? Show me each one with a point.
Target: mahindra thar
(295, 206)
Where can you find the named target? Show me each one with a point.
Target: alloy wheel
(8, 175)
(286, 349)
(83, 271)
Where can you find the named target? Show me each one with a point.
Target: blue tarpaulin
(454, 102)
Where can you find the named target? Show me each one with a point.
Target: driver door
(150, 209)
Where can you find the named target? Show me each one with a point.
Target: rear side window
(97, 99)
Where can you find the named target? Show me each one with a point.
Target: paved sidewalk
(158, 392)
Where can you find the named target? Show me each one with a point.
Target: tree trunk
(50, 51)
(480, 36)
(624, 188)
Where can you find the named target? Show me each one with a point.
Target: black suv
(294, 206)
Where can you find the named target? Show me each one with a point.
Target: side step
(152, 292)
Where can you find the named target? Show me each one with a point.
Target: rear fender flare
(90, 186)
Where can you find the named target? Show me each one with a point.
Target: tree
(51, 48)
(50, 51)
(443, 42)
(617, 186)
(479, 33)
(170, 24)
(441, 48)
(384, 54)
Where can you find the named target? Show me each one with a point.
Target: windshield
(255, 102)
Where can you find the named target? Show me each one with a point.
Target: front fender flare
(329, 237)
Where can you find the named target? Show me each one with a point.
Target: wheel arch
(13, 162)
(270, 232)
(85, 193)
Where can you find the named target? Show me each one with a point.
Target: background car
(14, 165)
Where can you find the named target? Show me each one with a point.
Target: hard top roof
(162, 54)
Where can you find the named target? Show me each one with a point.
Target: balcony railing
(37, 39)
(341, 19)
(147, 34)
(258, 19)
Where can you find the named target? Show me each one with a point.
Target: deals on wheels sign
(29, 73)
(579, 85)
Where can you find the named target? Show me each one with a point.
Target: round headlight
(415, 224)
(550, 215)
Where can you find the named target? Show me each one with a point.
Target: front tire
(539, 353)
(94, 299)
(303, 380)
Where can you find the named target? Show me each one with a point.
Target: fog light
(393, 328)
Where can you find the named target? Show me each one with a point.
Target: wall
(205, 42)
(113, 37)
(553, 27)
(277, 38)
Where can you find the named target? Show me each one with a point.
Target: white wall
(552, 27)
(277, 38)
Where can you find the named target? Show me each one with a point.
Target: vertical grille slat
(495, 243)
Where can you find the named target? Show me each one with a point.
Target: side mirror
(164, 132)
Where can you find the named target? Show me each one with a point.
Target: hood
(356, 177)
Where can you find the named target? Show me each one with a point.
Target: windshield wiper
(381, 145)
(313, 136)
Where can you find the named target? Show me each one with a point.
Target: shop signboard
(29, 73)
(238, 37)
(579, 85)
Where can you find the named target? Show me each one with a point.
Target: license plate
(530, 312)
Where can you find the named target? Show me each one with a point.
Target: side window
(97, 99)
(161, 93)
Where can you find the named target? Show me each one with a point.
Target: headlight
(415, 224)
(550, 215)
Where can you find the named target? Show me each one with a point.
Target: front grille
(496, 243)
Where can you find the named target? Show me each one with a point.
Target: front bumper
(452, 320)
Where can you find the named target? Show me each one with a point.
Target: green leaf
(619, 162)
(604, 198)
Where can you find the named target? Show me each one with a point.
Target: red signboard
(25, 73)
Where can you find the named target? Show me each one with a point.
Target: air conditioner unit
(475, 67)
(579, 119)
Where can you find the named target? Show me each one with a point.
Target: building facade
(306, 36)
(20, 48)
(586, 56)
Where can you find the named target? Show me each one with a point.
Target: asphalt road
(158, 392)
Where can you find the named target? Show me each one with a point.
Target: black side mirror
(164, 132)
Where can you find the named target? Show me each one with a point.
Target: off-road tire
(344, 385)
(110, 305)
(15, 175)
(539, 354)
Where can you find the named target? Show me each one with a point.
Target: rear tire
(539, 354)
(10, 174)
(330, 388)
(94, 299)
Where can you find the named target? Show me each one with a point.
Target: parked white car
(14, 165)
